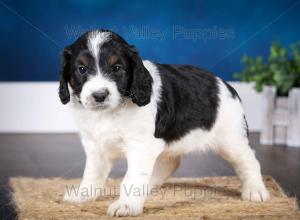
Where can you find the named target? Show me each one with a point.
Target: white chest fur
(117, 128)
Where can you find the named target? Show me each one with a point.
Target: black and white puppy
(149, 113)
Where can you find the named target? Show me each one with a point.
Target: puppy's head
(102, 71)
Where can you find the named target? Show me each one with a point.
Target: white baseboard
(34, 107)
(30, 107)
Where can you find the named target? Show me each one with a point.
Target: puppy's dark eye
(116, 68)
(82, 69)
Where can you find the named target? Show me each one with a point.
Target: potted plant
(279, 81)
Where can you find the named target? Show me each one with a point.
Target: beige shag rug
(179, 198)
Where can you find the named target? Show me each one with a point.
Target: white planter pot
(281, 118)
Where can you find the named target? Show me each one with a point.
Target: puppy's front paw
(121, 208)
(78, 195)
(255, 193)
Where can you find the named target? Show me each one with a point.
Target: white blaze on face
(98, 82)
(95, 40)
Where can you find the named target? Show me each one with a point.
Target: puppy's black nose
(100, 96)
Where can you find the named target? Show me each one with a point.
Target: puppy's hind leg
(240, 155)
(165, 166)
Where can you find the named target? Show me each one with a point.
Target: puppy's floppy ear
(141, 85)
(64, 93)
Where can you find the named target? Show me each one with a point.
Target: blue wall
(203, 33)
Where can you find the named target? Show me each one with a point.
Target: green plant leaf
(282, 69)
